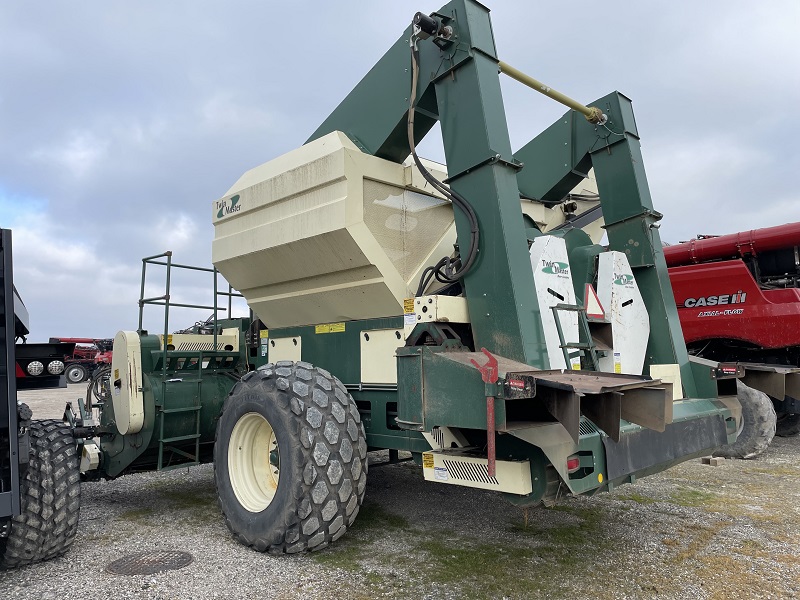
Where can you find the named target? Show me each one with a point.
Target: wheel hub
(254, 462)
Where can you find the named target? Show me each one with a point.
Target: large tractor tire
(76, 373)
(788, 425)
(50, 496)
(290, 459)
(758, 424)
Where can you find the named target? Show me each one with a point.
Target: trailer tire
(788, 425)
(301, 423)
(76, 373)
(758, 424)
(50, 497)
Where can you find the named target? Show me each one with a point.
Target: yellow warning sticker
(169, 340)
(264, 333)
(329, 328)
(427, 460)
(617, 368)
(408, 306)
(116, 373)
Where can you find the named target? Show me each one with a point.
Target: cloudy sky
(121, 122)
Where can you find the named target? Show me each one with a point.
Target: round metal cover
(148, 563)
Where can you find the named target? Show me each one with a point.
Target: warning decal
(427, 460)
(329, 328)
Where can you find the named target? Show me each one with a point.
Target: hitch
(489, 373)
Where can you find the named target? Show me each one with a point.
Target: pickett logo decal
(555, 268)
(223, 208)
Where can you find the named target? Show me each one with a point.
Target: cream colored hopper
(327, 233)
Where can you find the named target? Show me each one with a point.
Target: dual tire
(50, 496)
(290, 459)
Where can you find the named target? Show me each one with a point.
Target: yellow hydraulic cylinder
(592, 113)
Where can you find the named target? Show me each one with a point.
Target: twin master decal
(555, 268)
(223, 208)
(625, 279)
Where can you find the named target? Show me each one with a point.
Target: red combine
(89, 354)
(738, 300)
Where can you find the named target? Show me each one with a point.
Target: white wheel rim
(253, 462)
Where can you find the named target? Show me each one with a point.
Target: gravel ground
(694, 531)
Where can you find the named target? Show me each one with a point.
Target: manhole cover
(147, 563)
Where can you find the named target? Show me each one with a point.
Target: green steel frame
(462, 92)
(459, 87)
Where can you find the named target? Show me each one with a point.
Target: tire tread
(310, 400)
(50, 493)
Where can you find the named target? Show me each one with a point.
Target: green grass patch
(136, 515)
(566, 545)
(190, 499)
(634, 497)
(691, 498)
(347, 553)
(373, 516)
(480, 570)
(512, 566)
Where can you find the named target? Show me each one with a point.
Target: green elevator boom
(463, 86)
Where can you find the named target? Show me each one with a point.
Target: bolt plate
(148, 563)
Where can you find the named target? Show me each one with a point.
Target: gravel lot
(694, 531)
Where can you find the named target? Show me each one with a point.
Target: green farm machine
(460, 314)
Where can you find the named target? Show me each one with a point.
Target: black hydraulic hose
(446, 270)
(98, 389)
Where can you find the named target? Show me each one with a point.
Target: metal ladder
(165, 443)
(589, 348)
(170, 359)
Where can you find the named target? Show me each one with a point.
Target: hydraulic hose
(447, 270)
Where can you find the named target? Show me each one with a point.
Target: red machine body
(95, 350)
(91, 349)
(738, 295)
(88, 355)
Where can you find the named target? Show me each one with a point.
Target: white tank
(327, 233)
